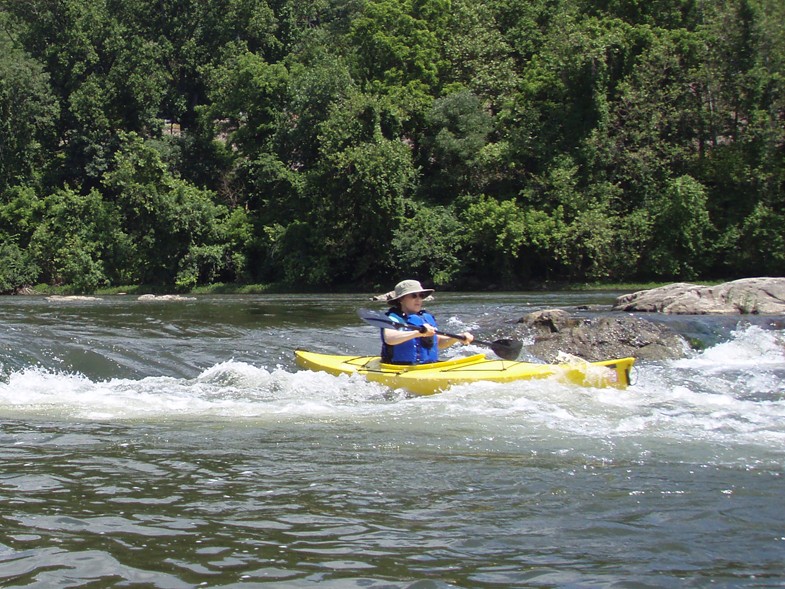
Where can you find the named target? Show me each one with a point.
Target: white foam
(732, 394)
(749, 346)
(227, 390)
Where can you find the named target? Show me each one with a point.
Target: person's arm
(394, 337)
(446, 341)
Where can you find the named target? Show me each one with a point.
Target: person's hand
(467, 338)
(427, 330)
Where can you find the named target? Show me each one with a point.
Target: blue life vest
(418, 350)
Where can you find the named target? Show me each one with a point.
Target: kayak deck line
(373, 364)
(504, 366)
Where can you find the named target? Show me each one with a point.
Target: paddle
(507, 349)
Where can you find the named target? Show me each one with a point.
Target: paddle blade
(507, 349)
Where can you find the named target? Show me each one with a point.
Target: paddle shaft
(421, 329)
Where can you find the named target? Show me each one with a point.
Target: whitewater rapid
(732, 393)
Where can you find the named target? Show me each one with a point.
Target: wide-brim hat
(407, 287)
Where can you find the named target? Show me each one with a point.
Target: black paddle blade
(507, 349)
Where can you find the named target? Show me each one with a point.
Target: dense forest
(330, 143)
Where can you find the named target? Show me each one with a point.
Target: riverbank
(277, 288)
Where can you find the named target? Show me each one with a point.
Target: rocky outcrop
(555, 333)
(765, 296)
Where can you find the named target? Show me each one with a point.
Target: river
(174, 444)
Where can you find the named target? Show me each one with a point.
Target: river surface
(174, 444)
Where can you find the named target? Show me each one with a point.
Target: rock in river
(556, 332)
(764, 296)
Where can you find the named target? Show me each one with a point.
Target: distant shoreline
(273, 288)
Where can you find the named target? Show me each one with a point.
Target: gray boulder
(555, 332)
(765, 296)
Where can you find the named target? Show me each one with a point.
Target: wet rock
(765, 296)
(555, 333)
(549, 321)
(168, 297)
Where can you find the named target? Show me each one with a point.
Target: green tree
(580, 225)
(397, 53)
(358, 192)
(28, 114)
(669, 14)
(105, 78)
(20, 213)
(477, 55)
(164, 216)
(563, 90)
(758, 247)
(496, 234)
(742, 88)
(192, 34)
(77, 240)
(17, 270)
(248, 97)
(460, 127)
(429, 244)
(395, 46)
(318, 79)
(681, 230)
(237, 232)
(247, 94)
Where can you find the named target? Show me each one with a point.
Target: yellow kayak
(427, 379)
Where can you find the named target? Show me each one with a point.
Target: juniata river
(174, 444)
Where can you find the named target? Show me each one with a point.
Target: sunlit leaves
(28, 115)
(318, 141)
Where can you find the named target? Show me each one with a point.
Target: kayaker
(406, 346)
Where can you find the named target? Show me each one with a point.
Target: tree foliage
(324, 143)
